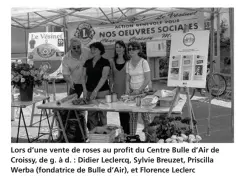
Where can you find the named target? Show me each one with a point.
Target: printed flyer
(45, 50)
(188, 59)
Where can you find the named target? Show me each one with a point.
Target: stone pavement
(221, 117)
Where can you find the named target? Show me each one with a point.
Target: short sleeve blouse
(94, 74)
(137, 73)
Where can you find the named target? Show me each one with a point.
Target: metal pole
(26, 44)
(231, 21)
(211, 67)
(218, 56)
(65, 29)
(212, 40)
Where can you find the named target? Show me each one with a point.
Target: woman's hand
(136, 92)
(111, 90)
(128, 91)
(71, 85)
(93, 95)
(85, 94)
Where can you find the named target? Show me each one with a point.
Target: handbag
(133, 139)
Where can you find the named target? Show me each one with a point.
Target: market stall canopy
(29, 18)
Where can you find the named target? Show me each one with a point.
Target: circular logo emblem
(45, 67)
(84, 32)
(45, 50)
(188, 39)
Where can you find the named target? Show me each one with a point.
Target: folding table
(100, 105)
(21, 105)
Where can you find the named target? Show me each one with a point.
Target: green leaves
(164, 127)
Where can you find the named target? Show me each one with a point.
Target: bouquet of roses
(24, 74)
(165, 129)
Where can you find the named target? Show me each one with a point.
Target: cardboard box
(167, 101)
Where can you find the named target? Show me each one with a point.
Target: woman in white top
(137, 80)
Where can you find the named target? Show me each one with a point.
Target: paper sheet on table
(118, 105)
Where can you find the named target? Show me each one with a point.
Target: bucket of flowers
(165, 129)
(24, 77)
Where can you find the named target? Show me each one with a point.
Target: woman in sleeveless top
(118, 79)
(137, 80)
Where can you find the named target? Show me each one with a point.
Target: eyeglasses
(132, 49)
(76, 47)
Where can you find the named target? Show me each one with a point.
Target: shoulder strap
(112, 63)
(127, 66)
(143, 65)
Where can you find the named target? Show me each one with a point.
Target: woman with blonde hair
(137, 81)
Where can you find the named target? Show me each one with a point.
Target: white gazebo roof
(29, 18)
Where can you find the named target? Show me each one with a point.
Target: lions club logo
(188, 39)
(84, 32)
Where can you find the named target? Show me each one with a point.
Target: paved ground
(220, 124)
